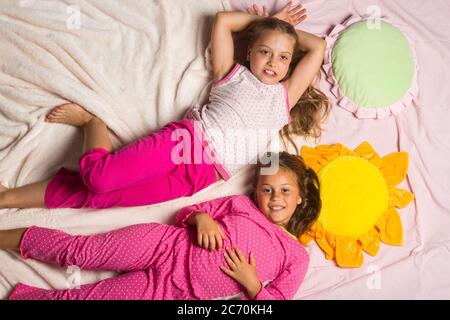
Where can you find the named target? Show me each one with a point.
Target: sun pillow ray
(359, 198)
(371, 66)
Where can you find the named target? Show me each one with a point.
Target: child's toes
(51, 117)
(55, 112)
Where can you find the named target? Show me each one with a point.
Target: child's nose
(275, 195)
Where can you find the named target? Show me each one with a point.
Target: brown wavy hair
(313, 106)
(308, 210)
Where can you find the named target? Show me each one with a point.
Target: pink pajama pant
(141, 173)
(152, 258)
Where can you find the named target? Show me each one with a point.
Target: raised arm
(222, 46)
(308, 67)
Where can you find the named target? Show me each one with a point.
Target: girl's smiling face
(270, 56)
(278, 195)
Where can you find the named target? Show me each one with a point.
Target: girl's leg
(67, 189)
(10, 239)
(95, 131)
(148, 158)
(142, 173)
(129, 286)
(96, 136)
(132, 248)
(33, 195)
(28, 196)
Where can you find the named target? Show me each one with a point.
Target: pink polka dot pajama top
(159, 261)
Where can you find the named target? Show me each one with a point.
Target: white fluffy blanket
(136, 64)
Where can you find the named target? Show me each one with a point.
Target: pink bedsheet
(420, 268)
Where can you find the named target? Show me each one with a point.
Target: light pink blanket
(420, 268)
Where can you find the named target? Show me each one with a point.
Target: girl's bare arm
(222, 46)
(308, 67)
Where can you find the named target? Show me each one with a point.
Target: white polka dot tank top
(242, 116)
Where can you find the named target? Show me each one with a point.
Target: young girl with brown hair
(234, 246)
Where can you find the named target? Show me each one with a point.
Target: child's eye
(266, 190)
(264, 52)
(285, 190)
(284, 58)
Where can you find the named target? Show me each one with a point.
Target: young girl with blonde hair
(273, 94)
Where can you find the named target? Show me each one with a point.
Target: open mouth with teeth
(270, 73)
(276, 207)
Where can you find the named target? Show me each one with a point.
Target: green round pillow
(371, 66)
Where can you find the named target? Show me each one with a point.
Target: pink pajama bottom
(141, 173)
(152, 258)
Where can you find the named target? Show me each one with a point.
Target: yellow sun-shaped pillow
(358, 201)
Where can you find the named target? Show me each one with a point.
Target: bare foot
(69, 113)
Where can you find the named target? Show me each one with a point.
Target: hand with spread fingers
(254, 10)
(293, 15)
(242, 271)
